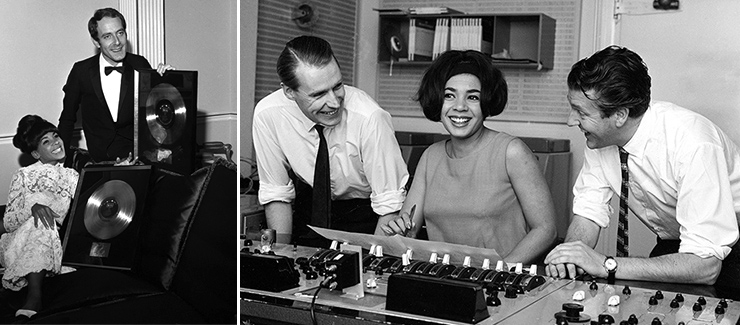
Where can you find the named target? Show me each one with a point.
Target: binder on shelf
(421, 39)
(471, 34)
(441, 37)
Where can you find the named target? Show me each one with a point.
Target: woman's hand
(45, 214)
(401, 225)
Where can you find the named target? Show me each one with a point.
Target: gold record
(109, 209)
(165, 113)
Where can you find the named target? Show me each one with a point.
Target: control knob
(702, 301)
(492, 299)
(572, 313)
(606, 319)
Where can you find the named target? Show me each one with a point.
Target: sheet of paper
(422, 249)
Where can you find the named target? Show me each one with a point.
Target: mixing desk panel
(504, 294)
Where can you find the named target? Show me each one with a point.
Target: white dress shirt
(684, 181)
(365, 159)
(111, 85)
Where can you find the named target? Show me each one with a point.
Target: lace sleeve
(67, 184)
(17, 212)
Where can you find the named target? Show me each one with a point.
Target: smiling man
(366, 173)
(673, 168)
(102, 87)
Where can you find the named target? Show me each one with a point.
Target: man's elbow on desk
(709, 273)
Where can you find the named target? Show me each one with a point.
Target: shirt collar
(636, 145)
(103, 63)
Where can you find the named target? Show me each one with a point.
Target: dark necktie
(321, 208)
(108, 70)
(622, 230)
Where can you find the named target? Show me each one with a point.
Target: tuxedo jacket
(106, 140)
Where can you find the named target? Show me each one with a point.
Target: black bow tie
(108, 70)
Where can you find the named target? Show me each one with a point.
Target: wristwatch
(610, 264)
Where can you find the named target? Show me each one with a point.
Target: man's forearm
(677, 268)
(279, 216)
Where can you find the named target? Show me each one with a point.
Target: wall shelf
(518, 41)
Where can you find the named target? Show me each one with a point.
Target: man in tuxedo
(102, 87)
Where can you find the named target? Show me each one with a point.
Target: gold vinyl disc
(165, 113)
(110, 209)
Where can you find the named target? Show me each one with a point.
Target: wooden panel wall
(537, 96)
(336, 24)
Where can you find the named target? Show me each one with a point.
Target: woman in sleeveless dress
(482, 187)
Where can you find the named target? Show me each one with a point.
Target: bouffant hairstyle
(31, 129)
(618, 77)
(494, 92)
(309, 50)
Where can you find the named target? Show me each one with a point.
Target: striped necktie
(321, 207)
(622, 230)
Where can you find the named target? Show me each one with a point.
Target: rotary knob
(511, 292)
(659, 295)
(697, 306)
(652, 301)
(572, 313)
(656, 321)
(679, 297)
(627, 290)
(493, 300)
(606, 319)
(674, 303)
(702, 301)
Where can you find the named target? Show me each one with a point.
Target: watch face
(610, 264)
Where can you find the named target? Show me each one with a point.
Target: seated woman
(480, 188)
(40, 195)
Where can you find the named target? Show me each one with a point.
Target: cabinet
(525, 41)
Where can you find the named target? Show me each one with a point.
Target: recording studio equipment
(164, 123)
(395, 40)
(267, 272)
(106, 217)
(436, 297)
(344, 269)
(407, 292)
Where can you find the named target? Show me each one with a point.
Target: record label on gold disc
(165, 113)
(110, 209)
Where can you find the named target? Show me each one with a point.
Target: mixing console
(513, 294)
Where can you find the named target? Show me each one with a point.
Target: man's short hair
(308, 50)
(618, 77)
(92, 24)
